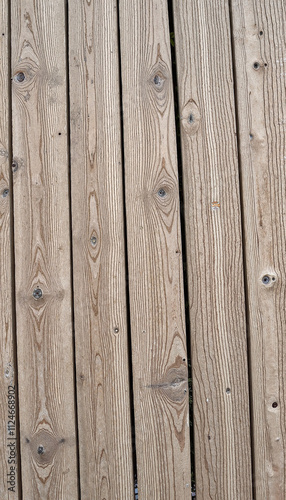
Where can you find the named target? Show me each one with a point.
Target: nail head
(20, 77)
(162, 192)
(37, 293)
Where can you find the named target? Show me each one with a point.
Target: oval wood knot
(191, 117)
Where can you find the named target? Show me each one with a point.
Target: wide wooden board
(160, 375)
(98, 253)
(214, 250)
(42, 251)
(259, 39)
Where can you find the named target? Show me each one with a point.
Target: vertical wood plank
(214, 249)
(99, 256)
(8, 456)
(160, 375)
(42, 250)
(260, 61)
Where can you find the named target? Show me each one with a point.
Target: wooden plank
(99, 256)
(214, 250)
(8, 427)
(154, 253)
(42, 250)
(260, 62)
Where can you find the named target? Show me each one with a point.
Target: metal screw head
(274, 405)
(20, 77)
(157, 80)
(116, 329)
(256, 65)
(41, 450)
(93, 241)
(37, 293)
(266, 280)
(5, 193)
(162, 192)
(227, 390)
(191, 118)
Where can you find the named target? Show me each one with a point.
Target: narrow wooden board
(260, 62)
(160, 374)
(98, 253)
(42, 251)
(8, 408)
(214, 250)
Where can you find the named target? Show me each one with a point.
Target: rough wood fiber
(214, 250)
(260, 62)
(98, 250)
(7, 368)
(42, 251)
(154, 253)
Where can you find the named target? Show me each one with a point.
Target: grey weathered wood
(42, 251)
(154, 253)
(7, 365)
(98, 250)
(260, 63)
(214, 250)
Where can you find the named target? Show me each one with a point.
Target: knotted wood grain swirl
(42, 251)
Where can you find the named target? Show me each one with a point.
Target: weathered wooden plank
(42, 250)
(8, 427)
(98, 250)
(260, 62)
(214, 249)
(154, 253)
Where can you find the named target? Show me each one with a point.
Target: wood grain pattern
(99, 257)
(260, 61)
(214, 250)
(7, 367)
(154, 253)
(42, 251)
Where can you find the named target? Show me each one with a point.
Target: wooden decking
(142, 249)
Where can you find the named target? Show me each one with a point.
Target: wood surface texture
(160, 375)
(93, 327)
(214, 250)
(42, 250)
(7, 365)
(259, 39)
(99, 255)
